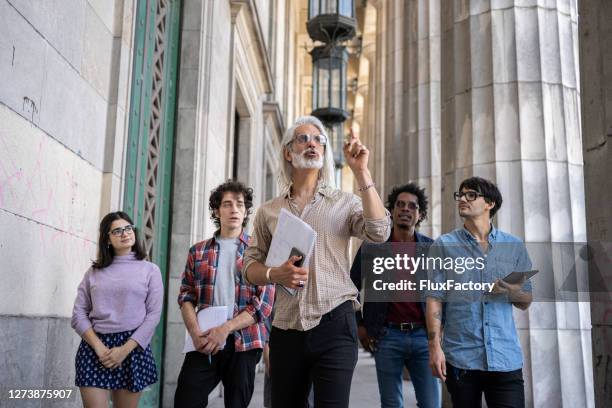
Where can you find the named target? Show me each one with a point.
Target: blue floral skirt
(136, 372)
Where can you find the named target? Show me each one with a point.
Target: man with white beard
(314, 333)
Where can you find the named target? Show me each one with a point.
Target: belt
(344, 308)
(405, 326)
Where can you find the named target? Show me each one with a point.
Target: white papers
(291, 232)
(208, 318)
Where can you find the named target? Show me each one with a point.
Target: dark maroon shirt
(405, 312)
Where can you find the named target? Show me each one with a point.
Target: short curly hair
(411, 188)
(230, 186)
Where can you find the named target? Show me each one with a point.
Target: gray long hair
(326, 174)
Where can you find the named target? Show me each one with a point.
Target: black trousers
(325, 355)
(501, 389)
(199, 376)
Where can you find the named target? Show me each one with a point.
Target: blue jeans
(395, 350)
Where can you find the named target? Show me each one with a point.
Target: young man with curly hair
(213, 277)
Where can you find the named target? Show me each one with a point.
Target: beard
(301, 162)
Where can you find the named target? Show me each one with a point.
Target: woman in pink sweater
(116, 311)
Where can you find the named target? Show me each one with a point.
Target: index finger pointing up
(352, 139)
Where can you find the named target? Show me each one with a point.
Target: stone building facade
(147, 105)
(142, 105)
(66, 73)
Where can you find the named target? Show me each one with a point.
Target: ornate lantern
(331, 20)
(329, 84)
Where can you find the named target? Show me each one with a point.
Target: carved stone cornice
(254, 25)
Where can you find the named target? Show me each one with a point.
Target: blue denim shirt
(479, 331)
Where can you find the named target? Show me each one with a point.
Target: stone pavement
(364, 390)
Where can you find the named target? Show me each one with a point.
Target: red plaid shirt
(197, 287)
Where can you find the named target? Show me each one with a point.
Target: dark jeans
(199, 376)
(325, 355)
(501, 389)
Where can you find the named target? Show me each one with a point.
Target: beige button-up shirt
(335, 216)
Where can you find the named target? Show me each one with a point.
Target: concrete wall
(596, 84)
(65, 73)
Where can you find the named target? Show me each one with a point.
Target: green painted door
(150, 150)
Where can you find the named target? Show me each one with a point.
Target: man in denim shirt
(479, 350)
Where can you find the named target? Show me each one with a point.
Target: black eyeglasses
(407, 204)
(469, 195)
(117, 232)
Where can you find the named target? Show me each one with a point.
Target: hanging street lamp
(331, 20)
(329, 83)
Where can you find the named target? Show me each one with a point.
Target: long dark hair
(106, 252)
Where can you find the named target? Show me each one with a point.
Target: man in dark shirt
(395, 331)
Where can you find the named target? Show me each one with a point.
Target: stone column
(510, 113)
(395, 130)
(423, 111)
(596, 84)
(377, 91)
(367, 87)
(412, 99)
(374, 140)
(189, 201)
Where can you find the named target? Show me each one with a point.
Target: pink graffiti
(6, 183)
(44, 211)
